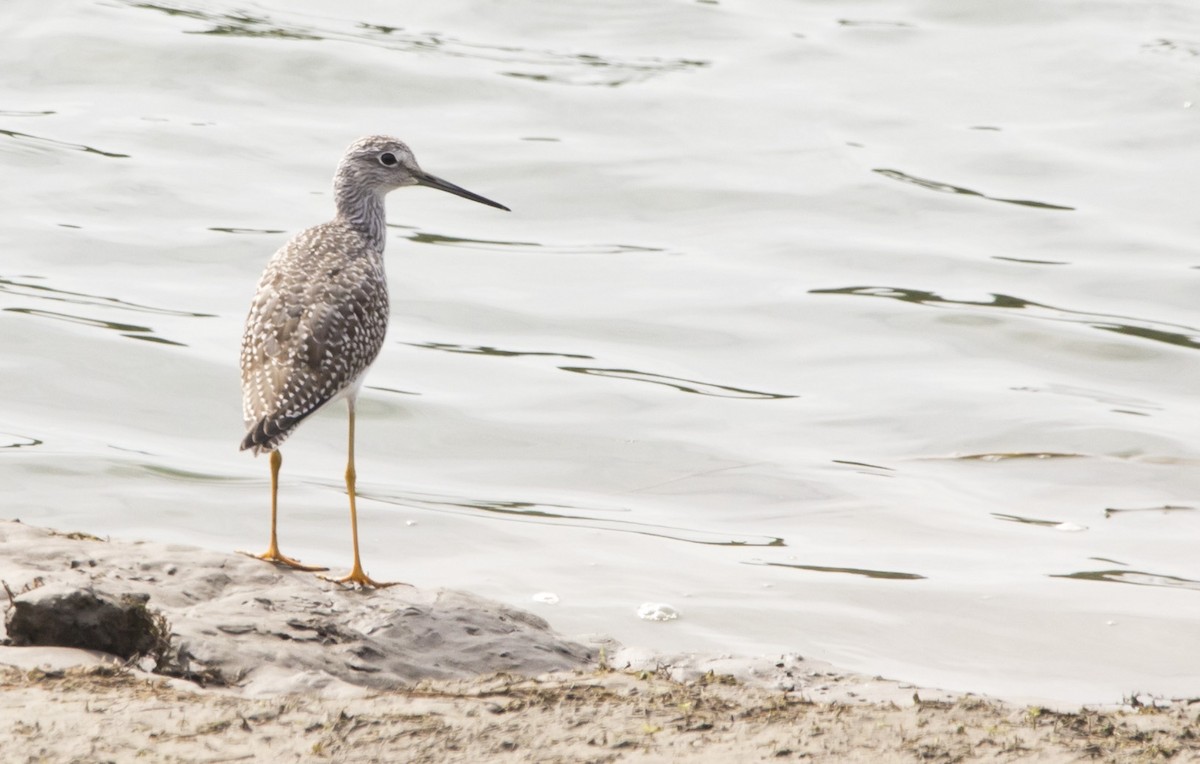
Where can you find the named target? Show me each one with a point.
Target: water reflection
(24, 288)
(391, 390)
(946, 188)
(418, 236)
(559, 514)
(679, 383)
(37, 141)
(222, 229)
(1026, 520)
(492, 351)
(1000, 457)
(1174, 47)
(174, 473)
(875, 24)
(1029, 261)
(1110, 511)
(421, 237)
(132, 331)
(1135, 577)
(888, 574)
(862, 464)
(12, 440)
(1172, 334)
(1102, 397)
(568, 68)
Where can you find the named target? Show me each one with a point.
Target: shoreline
(299, 670)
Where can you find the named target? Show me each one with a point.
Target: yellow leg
(273, 554)
(357, 577)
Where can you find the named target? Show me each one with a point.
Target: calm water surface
(863, 330)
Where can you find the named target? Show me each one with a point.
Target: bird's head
(380, 163)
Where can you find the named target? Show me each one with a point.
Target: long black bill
(433, 181)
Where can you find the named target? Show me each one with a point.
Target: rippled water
(862, 330)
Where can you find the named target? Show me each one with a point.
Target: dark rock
(69, 616)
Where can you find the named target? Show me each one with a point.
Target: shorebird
(320, 314)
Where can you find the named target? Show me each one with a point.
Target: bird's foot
(360, 580)
(273, 555)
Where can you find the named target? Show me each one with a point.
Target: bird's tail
(268, 433)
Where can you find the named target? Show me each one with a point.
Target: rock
(237, 620)
(62, 615)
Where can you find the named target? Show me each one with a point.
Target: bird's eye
(387, 158)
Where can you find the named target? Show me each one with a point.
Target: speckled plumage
(317, 323)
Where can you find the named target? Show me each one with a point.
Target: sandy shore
(268, 664)
(101, 714)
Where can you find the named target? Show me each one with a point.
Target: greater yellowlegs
(320, 315)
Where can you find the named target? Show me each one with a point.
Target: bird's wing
(307, 338)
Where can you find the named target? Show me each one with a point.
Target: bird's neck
(362, 209)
